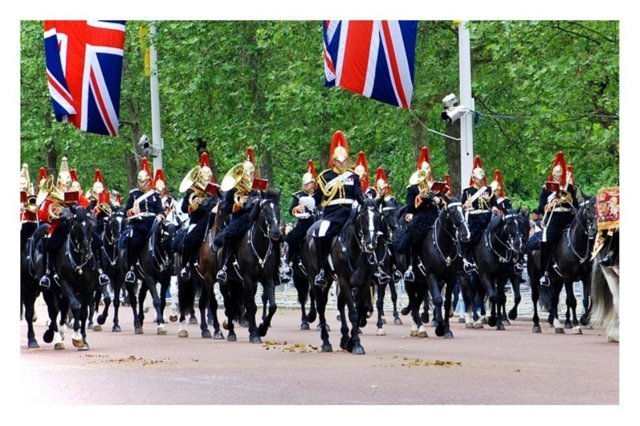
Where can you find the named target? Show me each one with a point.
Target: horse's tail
(602, 311)
(545, 298)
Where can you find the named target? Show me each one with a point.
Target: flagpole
(466, 121)
(156, 136)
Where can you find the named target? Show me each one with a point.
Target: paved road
(478, 367)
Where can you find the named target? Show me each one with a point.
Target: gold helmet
(477, 172)
(24, 178)
(75, 182)
(559, 169)
(249, 164)
(160, 182)
(310, 175)
(64, 176)
(98, 182)
(382, 184)
(205, 175)
(339, 148)
(144, 175)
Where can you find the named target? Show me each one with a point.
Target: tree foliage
(539, 87)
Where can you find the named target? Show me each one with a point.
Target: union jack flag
(372, 58)
(84, 70)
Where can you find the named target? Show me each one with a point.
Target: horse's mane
(273, 195)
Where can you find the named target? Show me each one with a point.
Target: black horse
(353, 265)
(29, 288)
(156, 266)
(496, 256)
(301, 283)
(389, 213)
(514, 275)
(439, 264)
(77, 274)
(256, 262)
(572, 256)
(109, 261)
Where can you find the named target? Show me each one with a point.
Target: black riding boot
(321, 257)
(409, 276)
(130, 277)
(221, 276)
(185, 272)
(544, 264)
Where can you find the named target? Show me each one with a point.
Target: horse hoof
(139, 330)
(183, 333)
(102, 319)
(84, 347)
(383, 320)
(478, 325)
(397, 321)
(500, 327)
(33, 344)
(327, 347)
(358, 350)
(161, 330)
(173, 318)
(434, 323)
(493, 321)
(217, 335)
(483, 320)
(255, 339)
(206, 334)
(58, 346)
(513, 315)
(381, 332)
(48, 336)
(193, 320)
(97, 327)
(577, 330)
(506, 322)
(225, 325)
(232, 338)
(413, 333)
(424, 317)
(468, 325)
(405, 311)
(440, 330)
(559, 330)
(78, 343)
(116, 329)
(462, 321)
(537, 329)
(304, 326)
(423, 334)
(568, 325)
(448, 335)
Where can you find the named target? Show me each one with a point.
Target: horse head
(453, 215)
(368, 224)
(511, 230)
(587, 217)
(113, 227)
(269, 217)
(389, 209)
(81, 225)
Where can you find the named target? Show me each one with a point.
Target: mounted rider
(200, 203)
(338, 191)
(303, 206)
(559, 203)
(479, 203)
(382, 188)
(362, 170)
(169, 203)
(424, 198)
(238, 201)
(75, 186)
(143, 208)
(28, 206)
(53, 199)
(101, 207)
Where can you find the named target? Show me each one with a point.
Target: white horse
(605, 294)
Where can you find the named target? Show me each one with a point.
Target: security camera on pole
(462, 111)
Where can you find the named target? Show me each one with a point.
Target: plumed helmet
(206, 174)
(144, 173)
(160, 183)
(98, 182)
(249, 165)
(339, 148)
(362, 170)
(64, 177)
(75, 182)
(559, 169)
(310, 175)
(447, 179)
(382, 182)
(24, 177)
(477, 171)
(497, 185)
(42, 175)
(424, 160)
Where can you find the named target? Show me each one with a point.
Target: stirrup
(130, 277)
(45, 282)
(397, 275)
(544, 281)
(221, 276)
(518, 268)
(185, 273)
(382, 277)
(606, 260)
(409, 276)
(556, 268)
(103, 279)
(468, 267)
(320, 280)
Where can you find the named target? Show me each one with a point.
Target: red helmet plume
(98, 182)
(362, 170)
(498, 186)
(144, 174)
(159, 182)
(204, 160)
(477, 171)
(559, 168)
(339, 148)
(423, 158)
(382, 182)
